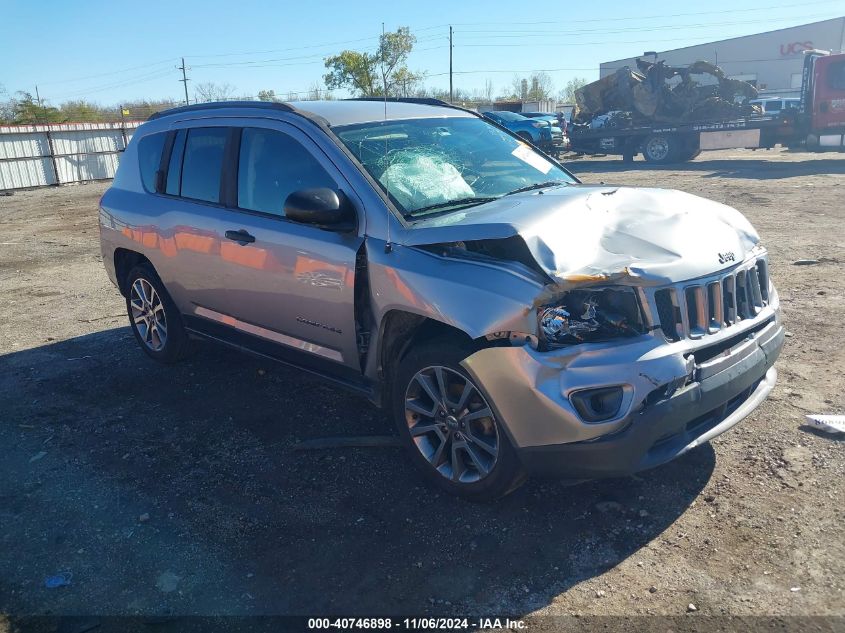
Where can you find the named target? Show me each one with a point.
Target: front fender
(478, 298)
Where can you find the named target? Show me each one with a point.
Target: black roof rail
(418, 100)
(218, 105)
(431, 101)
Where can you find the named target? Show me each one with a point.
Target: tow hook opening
(597, 405)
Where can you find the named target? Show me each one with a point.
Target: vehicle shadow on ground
(180, 490)
(751, 168)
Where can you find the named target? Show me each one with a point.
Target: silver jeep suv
(511, 319)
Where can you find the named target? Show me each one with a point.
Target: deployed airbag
(418, 179)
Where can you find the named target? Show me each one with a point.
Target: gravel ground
(177, 490)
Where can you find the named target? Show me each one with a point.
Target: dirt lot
(175, 490)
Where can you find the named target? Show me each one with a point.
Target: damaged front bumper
(674, 396)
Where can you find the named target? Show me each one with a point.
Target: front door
(265, 278)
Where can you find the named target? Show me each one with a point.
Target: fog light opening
(597, 405)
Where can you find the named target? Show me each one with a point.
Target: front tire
(447, 423)
(153, 317)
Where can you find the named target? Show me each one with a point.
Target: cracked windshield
(440, 165)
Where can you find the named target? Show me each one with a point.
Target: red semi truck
(820, 121)
(817, 124)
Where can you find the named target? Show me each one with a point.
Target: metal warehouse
(771, 61)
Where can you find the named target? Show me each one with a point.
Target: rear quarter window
(149, 158)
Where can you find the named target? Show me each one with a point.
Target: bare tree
(7, 106)
(540, 87)
(210, 91)
(489, 91)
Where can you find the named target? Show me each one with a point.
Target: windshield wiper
(539, 185)
(469, 201)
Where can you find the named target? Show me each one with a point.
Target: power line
(283, 50)
(471, 38)
(115, 72)
(652, 17)
(157, 74)
(535, 33)
(579, 44)
(311, 46)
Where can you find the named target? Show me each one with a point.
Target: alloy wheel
(451, 424)
(147, 314)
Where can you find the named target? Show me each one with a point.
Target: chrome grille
(706, 306)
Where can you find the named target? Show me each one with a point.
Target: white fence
(61, 153)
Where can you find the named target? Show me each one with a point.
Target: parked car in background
(776, 105)
(559, 119)
(560, 141)
(542, 116)
(536, 131)
(510, 319)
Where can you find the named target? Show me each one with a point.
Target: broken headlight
(590, 315)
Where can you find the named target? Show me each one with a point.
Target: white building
(772, 61)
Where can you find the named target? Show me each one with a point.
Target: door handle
(241, 237)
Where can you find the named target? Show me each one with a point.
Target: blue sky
(112, 51)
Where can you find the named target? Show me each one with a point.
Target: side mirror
(321, 207)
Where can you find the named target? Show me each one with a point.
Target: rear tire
(154, 318)
(661, 149)
(449, 427)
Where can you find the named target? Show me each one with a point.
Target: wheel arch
(124, 261)
(399, 331)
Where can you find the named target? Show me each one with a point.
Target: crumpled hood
(581, 233)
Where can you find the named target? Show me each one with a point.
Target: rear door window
(271, 166)
(149, 158)
(203, 163)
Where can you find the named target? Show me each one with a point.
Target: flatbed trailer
(677, 142)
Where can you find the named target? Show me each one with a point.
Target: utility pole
(37, 96)
(184, 80)
(451, 92)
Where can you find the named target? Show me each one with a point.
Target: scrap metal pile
(661, 93)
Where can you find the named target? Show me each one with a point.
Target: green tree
(368, 74)
(267, 95)
(85, 112)
(25, 110)
(353, 70)
(140, 110)
(567, 94)
(404, 83)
